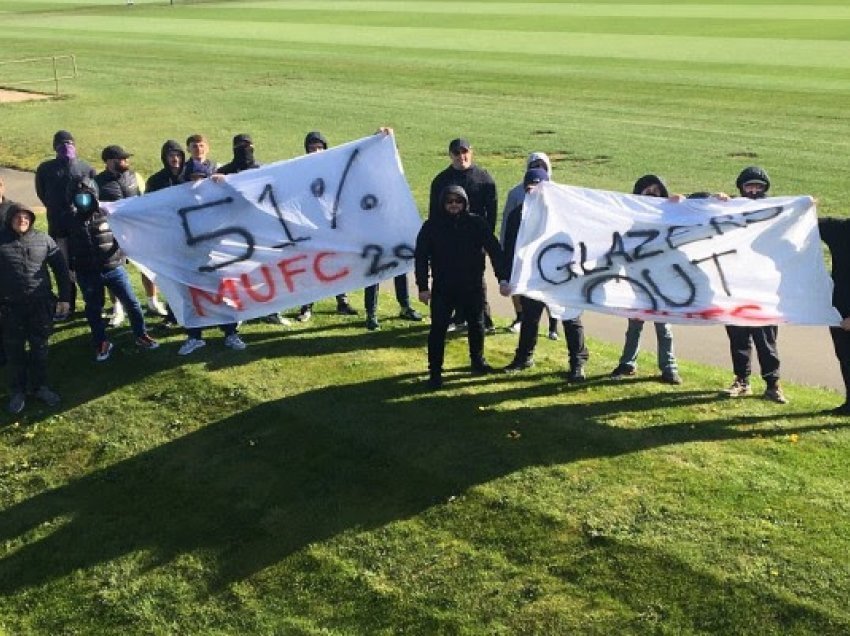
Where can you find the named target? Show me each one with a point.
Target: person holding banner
(753, 183)
(532, 310)
(836, 234)
(516, 196)
(649, 185)
(99, 263)
(317, 142)
(451, 245)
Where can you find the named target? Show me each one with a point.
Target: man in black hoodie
(532, 310)
(27, 303)
(480, 189)
(53, 180)
(754, 183)
(173, 159)
(452, 244)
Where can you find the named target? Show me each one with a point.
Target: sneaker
(344, 309)
(671, 377)
(516, 365)
(435, 381)
(191, 344)
(452, 327)
(553, 335)
(372, 323)
(61, 317)
(490, 331)
(739, 388)
(156, 308)
(409, 313)
(516, 325)
(146, 342)
(774, 393)
(277, 319)
(304, 316)
(481, 367)
(118, 316)
(622, 371)
(17, 403)
(103, 351)
(233, 341)
(576, 374)
(47, 395)
(843, 410)
(459, 326)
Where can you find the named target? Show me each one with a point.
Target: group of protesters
(81, 251)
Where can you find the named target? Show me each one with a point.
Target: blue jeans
(93, 284)
(666, 357)
(402, 295)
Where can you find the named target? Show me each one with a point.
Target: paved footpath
(806, 352)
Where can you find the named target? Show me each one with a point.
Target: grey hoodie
(517, 194)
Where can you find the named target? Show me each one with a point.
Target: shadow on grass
(257, 486)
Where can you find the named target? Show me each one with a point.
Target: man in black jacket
(480, 190)
(173, 159)
(754, 183)
(99, 264)
(53, 180)
(452, 244)
(532, 309)
(27, 303)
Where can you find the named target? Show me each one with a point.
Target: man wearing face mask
(754, 183)
(53, 180)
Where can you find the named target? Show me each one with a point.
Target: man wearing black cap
(27, 303)
(53, 179)
(532, 310)
(754, 183)
(451, 245)
(480, 189)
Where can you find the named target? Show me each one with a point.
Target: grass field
(309, 485)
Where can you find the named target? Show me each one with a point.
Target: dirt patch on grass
(7, 95)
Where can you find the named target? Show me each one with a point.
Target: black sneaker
(481, 368)
(843, 410)
(409, 313)
(17, 403)
(47, 395)
(671, 377)
(622, 371)
(516, 365)
(372, 323)
(435, 381)
(344, 309)
(576, 374)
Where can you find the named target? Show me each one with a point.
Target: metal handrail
(56, 76)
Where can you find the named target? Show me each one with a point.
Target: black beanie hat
(62, 137)
(314, 137)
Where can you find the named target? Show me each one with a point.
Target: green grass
(309, 485)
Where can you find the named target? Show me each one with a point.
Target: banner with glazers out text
(276, 237)
(700, 261)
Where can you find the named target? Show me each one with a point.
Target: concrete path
(806, 352)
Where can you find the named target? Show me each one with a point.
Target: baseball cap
(459, 144)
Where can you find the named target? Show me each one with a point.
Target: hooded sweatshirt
(453, 247)
(53, 179)
(23, 263)
(165, 178)
(517, 194)
(480, 190)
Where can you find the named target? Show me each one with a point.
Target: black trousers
(29, 322)
(741, 341)
(443, 305)
(532, 311)
(841, 344)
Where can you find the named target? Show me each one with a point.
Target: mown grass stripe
(768, 52)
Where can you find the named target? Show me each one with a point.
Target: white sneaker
(516, 325)
(156, 307)
(233, 341)
(191, 344)
(118, 316)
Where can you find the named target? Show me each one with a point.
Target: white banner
(701, 261)
(276, 237)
